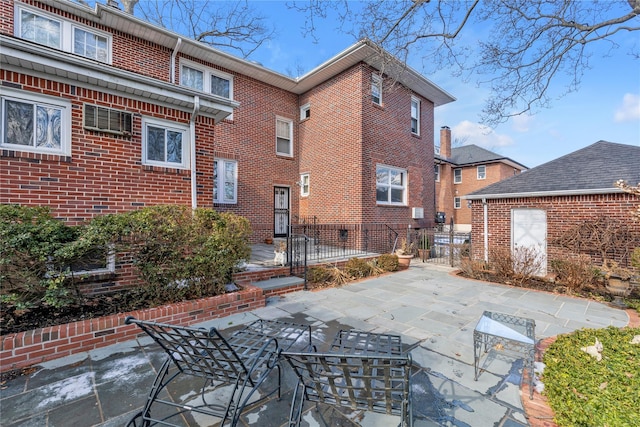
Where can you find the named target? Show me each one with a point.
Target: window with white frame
(415, 116)
(284, 137)
(199, 77)
(482, 172)
(457, 203)
(36, 123)
(436, 169)
(225, 181)
(376, 89)
(50, 30)
(457, 176)
(164, 143)
(96, 261)
(305, 111)
(304, 184)
(391, 185)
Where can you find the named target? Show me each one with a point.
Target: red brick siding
(37, 346)
(387, 139)
(563, 212)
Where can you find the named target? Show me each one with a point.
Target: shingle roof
(472, 154)
(593, 169)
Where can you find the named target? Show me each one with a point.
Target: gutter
(174, 54)
(543, 194)
(485, 211)
(192, 142)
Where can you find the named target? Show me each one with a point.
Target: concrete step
(279, 283)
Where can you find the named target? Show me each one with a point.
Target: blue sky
(606, 107)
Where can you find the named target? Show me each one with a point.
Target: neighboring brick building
(462, 170)
(104, 113)
(536, 207)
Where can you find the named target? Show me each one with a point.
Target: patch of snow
(67, 390)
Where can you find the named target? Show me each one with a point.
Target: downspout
(174, 54)
(192, 140)
(486, 230)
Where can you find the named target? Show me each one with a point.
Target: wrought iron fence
(440, 247)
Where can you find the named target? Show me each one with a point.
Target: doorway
(280, 211)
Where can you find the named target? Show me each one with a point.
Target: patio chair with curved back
(361, 371)
(242, 362)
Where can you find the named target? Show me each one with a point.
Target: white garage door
(529, 229)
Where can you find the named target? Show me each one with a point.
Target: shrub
(575, 271)
(501, 262)
(318, 274)
(473, 269)
(357, 268)
(585, 392)
(388, 262)
(517, 266)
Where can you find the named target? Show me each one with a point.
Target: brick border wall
(28, 348)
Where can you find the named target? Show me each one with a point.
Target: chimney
(445, 142)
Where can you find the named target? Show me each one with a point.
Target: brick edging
(23, 349)
(537, 410)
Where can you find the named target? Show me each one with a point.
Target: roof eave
(554, 193)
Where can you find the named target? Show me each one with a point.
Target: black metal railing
(445, 247)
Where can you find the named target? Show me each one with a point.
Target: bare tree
(229, 25)
(517, 48)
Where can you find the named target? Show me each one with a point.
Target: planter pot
(268, 240)
(404, 260)
(424, 254)
(619, 287)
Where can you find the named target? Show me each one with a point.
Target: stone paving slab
(433, 311)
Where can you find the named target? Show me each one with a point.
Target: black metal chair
(243, 361)
(362, 371)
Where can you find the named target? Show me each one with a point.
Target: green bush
(585, 392)
(177, 252)
(33, 257)
(388, 262)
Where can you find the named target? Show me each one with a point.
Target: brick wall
(563, 212)
(37, 346)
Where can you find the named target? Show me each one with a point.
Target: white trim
(304, 182)
(558, 193)
(207, 73)
(417, 118)
(306, 108)
(219, 185)
(67, 31)
(389, 186)
(37, 99)
(376, 82)
(478, 172)
(454, 176)
(457, 205)
(290, 122)
(167, 126)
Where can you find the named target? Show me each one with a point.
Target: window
(305, 111)
(225, 181)
(437, 172)
(457, 204)
(376, 89)
(304, 184)
(35, 123)
(205, 79)
(90, 45)
(164, 144)
(457, 176)
(284, 137)
(391, 185)
(40, 29)
(415, 116)
(107, 120)
(96, 261)
(49, 30)
(482, 172)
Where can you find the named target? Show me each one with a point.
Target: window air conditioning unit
(417, 213)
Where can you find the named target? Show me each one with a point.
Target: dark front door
(281, 211)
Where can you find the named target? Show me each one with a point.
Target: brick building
(535, 208)
(104, 113)
(463, 170)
